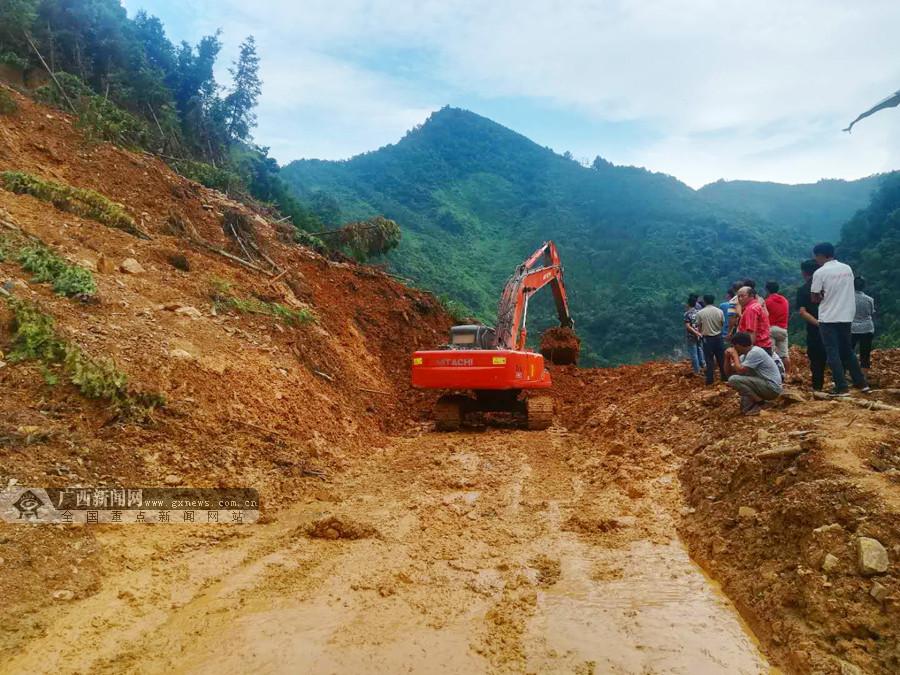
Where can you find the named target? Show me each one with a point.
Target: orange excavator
(494, 364)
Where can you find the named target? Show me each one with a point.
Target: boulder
(829, 563)
(746, 513)
(873, 558)
(192, 312)
(878, 592)
(131, 266)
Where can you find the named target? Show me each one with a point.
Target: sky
(701, 90)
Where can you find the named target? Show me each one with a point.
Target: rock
(762, 435)
(873, 558)
(192, 312)
(848, 668)
(829, 563)
(878, 592)
(172, 480)
(105, 265)
(88, 264)
(131, 266)
(746, 513)
(181, 354)
(63, 594)
(834, 527)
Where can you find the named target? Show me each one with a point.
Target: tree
(16, 17)
(245, 91)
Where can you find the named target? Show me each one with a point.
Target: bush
(47, 267)
(13, 60)
(84, 203)
(211, 176)
(368, 238)
(310, 241)
(35, 339)
(8, 105)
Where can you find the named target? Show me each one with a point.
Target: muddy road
(497, 551)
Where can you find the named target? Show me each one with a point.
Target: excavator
(493, 364)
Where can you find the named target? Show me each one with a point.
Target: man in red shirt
(754, 319)
(779, 307)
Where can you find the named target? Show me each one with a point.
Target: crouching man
(752, 372)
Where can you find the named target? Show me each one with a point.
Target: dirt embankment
(776, 507)
(250, 400)
(385, 545)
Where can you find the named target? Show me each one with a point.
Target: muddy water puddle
(644, 609)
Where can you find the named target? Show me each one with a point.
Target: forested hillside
(475, 198)
(870, 242)
(817, 210)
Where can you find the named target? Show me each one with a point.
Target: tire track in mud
(497, 551)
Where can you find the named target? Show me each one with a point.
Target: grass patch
(224, 299)
(8, 105)
(47, 267)
(35, 339)
(84, 203)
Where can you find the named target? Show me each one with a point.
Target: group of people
(832, 303)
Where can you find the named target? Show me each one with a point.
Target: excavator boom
(541, 268)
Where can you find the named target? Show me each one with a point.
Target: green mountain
(816, 210)
(870, 242)
(475, 198)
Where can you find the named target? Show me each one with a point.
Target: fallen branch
(277, 278)
(241, 261)
(375, 391)
(868, 405)
(781, 452)
(328, 377)
(253, 426)
(52, 74)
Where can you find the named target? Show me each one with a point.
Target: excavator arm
(540, 269)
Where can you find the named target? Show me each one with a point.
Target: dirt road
(499, 550)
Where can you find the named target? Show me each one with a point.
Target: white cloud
(723, 87)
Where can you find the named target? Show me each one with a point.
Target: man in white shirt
(832, 288)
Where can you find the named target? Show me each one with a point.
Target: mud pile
(560, 346)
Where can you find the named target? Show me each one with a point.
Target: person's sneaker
(834, 393)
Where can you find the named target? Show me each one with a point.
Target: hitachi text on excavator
(493, 366)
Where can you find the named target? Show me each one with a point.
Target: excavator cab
(472, 336)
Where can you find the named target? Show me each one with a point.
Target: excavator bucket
(560, 346)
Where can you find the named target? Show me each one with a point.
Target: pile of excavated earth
(651, 528)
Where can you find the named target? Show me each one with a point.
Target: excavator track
(448, 413)
(539, 412)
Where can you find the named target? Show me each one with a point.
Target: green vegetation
(8, 104)
(47, 267)
(870, 243)
(84, 203)
(365, 238)
(225, 299)
(35, 339)
(211, 176)
(474, 199)
(816, 210)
